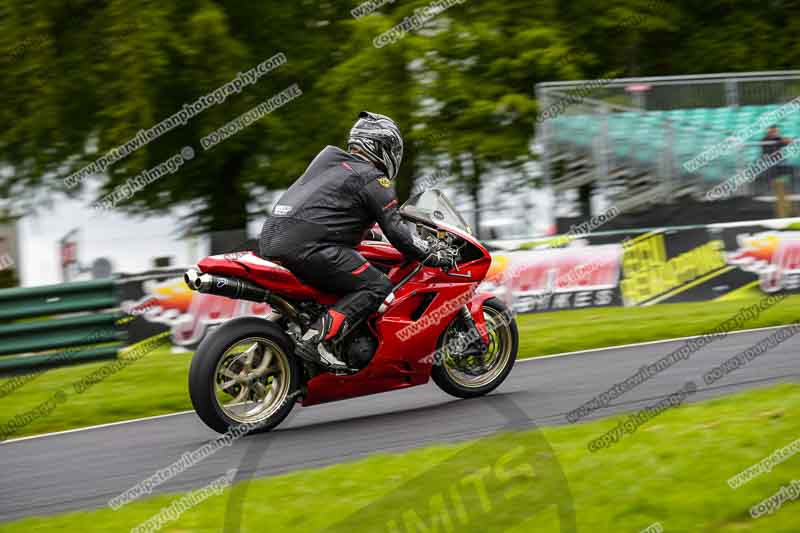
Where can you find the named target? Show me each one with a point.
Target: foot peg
(329, 360)
(317, 353)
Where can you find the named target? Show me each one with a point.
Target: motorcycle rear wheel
(496, 364)
(244, 376)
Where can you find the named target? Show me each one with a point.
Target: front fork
(480, 345)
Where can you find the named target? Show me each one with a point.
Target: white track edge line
(98, 426)
(648, 343)
(526, 360)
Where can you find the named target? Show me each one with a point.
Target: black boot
(311, 347)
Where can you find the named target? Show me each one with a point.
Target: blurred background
(647, 145)
(488, 94)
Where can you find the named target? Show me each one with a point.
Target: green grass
(673, 470)
(567, 331)
(157, 383)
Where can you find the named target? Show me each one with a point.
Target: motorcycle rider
(317, 223)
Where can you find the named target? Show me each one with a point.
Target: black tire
(451, 386)
(202, 373)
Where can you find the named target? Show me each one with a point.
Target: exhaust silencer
(237, 289)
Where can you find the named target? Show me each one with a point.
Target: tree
(381, 80)
(68, 100)
(82, 77)
(482, 65)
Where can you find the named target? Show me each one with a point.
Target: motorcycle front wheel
(476, 375)
(244, 375)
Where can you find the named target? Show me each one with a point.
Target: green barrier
(35, 333)
(61, 357)
(56, 299)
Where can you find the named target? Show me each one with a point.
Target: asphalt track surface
(84, 469)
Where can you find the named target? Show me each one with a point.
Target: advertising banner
(575, 277)
(641, 268)
(158, 302)
(631, 268)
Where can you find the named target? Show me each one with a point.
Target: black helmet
(380, 139)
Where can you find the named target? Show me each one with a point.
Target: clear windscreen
(433, 206)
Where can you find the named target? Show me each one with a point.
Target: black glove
(439, 258)
(373, 235)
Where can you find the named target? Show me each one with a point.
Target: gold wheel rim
(495, 359)
(251, 381)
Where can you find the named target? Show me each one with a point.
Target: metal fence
(59, 324)
(646, 129)
(686, 92)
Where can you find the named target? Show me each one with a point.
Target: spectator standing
(771, 143)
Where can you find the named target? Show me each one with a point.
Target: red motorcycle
(433, 324)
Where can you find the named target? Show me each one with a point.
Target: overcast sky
(129, 242)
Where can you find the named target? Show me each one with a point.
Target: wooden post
(781, 204)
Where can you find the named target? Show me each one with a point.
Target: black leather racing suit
(315, 226)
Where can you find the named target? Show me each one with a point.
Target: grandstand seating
(645, 137)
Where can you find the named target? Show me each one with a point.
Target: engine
(359, 351)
